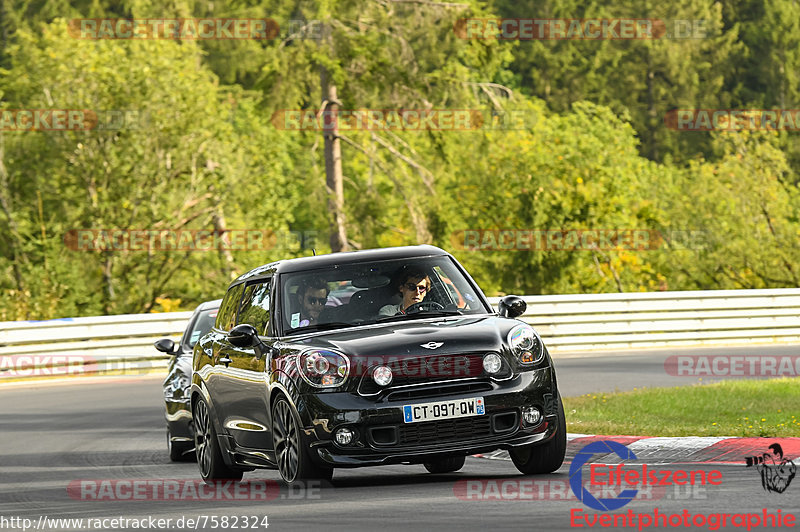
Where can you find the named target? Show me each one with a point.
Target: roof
(341, 258)
(205, 305)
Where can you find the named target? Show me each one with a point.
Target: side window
(227, 311)
(255, 306)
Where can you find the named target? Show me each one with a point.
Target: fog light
(382, 375)
(344, 436)
(492, 363)
(531, 415)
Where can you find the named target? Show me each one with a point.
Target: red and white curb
(671, 450)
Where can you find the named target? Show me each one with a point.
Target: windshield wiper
(321, 327)
(422, 313)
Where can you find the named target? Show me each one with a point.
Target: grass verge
(743, 408)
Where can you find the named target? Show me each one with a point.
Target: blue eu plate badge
(407, 414)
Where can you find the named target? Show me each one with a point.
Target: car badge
(432, 345)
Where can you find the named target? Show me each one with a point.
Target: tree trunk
(225, 254)
(333, 165)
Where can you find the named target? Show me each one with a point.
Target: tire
(180, 451)
(291, 454)
(209, 454)
(545, 458)
(450, 464)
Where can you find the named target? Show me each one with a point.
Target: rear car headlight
(323, 368)
(525, 344)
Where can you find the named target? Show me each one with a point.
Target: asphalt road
(62, 445)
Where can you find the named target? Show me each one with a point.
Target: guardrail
(97, 344)
(665, 319)
(124, 344)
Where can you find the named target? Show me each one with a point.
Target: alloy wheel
(202, 437)
(286, 438)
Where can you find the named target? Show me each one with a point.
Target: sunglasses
(412, 287)
(316, 300)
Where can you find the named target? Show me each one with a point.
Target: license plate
(444, 410)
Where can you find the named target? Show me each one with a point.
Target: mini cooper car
(180, 430)
(389, 356)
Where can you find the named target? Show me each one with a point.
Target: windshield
(203, 324)
(370, 292)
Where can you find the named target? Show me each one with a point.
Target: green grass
(745, 408)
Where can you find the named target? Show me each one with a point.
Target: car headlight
(525, 344)
(323, 368)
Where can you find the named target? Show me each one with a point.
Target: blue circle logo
(576, 475)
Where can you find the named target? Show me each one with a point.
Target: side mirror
(512, 306)
(165, 345)
(243, 335)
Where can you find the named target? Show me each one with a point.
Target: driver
(413, 286)
(312, 295)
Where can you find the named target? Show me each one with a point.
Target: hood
(466, 334)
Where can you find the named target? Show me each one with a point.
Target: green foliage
(593, 152)
(194, 152)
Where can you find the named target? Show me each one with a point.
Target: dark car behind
(180, 429)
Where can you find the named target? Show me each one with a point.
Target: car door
(213, 366)
(244, 384)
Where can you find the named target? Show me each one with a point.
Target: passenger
(413, 286)
(312, 295)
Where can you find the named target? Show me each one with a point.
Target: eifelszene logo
(621, 476)
(776, 471)
(576, 476)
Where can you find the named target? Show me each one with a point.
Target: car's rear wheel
(546, 458)
(294, 463)
(209, 454)
(446, 465)
(179, 451)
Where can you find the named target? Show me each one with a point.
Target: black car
(370, 381)
(180, 429)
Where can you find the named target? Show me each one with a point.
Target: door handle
(226, 361)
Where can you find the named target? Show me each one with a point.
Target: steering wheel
(423, 306)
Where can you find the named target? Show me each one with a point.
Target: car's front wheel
(446, 465)
(294, 463)
(545, 458)
(209, 455)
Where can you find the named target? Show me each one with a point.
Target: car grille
(447, 430)
(420, 371)
(425, 392)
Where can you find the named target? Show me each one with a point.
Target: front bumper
(179, 420)
(382, 436)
